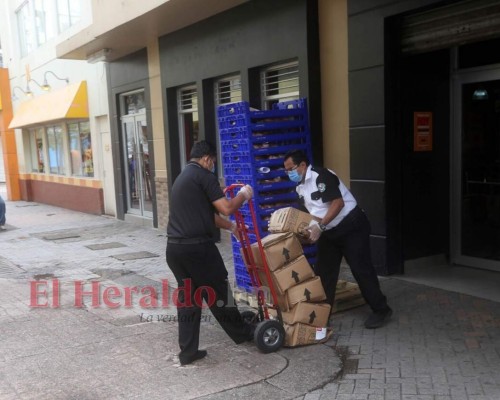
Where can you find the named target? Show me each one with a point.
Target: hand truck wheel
(269, 336)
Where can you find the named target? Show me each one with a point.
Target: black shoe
(197, 356)
(377, 319)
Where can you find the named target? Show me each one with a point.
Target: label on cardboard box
(302, 334)
(279, 249)
(289, 219)
(292, 274)
(310, 290)
(314, 314)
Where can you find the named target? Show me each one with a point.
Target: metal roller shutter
(457, 24)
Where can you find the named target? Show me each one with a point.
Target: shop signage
(422, 131)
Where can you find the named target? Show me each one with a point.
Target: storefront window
(56, 149)
(37, 150)
(82, 163)
(134, 103)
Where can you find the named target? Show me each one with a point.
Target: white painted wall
(44, 59)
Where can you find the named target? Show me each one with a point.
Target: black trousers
(200, 267)
(350, 239)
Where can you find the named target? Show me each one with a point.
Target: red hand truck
(269, 333)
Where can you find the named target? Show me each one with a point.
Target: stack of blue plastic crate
(253, 146)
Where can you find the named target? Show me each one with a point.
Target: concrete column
(334, 85)
(157, 112)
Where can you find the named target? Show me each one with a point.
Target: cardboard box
(289, 219)
(279, 249)
(310, 290)
(281, 296)
(293, 273)
(314, 314)
(302, 334)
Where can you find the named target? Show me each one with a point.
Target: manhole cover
(104, 246)
(60, 236)
(134, 256)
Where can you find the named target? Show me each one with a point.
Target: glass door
(476, 180)
(137, 168)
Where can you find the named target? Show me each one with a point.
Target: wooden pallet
(347, 296)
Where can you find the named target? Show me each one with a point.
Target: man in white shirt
(343, 231)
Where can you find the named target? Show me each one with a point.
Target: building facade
(166, 81)
(59, 110)
(424, 87)
(402, 99)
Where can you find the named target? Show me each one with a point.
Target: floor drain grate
(104, 246)
(134, 256)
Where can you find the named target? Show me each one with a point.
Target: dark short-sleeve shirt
(191, 209)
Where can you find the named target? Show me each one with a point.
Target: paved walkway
(439, 345)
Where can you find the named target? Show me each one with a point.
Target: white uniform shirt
(320, 187)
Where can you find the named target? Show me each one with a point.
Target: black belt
(355, 211)
(188, 240)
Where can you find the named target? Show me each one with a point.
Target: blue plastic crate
(240, 157)
(283, 126)
(241, 271)
(251, 237)
(244, 284)
(235, 145)
(226, 110)
(280, 151)
(234, 169)
(295, 113)
(245, 180)
(263, 161)
(270, 173)
(310, 249)
(280, 137)
(276, 198)
(275, 185)
(291, 104)
(235, 133)
(234, 121)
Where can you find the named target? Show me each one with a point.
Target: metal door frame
(460, 77)
(134, 119)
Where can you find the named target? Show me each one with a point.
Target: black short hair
(203, 148)
(297, 157)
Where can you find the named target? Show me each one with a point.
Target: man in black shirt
(192, 255)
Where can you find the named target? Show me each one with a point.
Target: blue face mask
(295, 176)
(213, 169)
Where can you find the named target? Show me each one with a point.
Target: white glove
(314, 231)
(234, 230)
(247, 192)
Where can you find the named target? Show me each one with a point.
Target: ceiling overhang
(135, 34)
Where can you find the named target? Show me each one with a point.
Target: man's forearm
(222, 222)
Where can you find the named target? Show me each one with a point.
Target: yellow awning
(70, 102)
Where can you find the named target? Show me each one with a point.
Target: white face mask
(212, 168)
